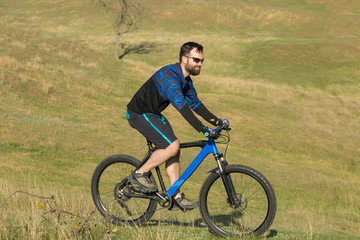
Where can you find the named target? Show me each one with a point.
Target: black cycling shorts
(154, 128)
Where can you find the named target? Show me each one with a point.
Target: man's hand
(208, 131)
(224, 122)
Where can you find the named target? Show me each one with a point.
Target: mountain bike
(234, 200)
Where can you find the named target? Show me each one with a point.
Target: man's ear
(183, 59)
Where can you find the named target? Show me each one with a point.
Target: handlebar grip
(218, 130)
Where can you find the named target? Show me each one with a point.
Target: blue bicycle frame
(207, 148)
(210, 147)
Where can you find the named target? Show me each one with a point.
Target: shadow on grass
(199, 223)
(142, 48)
(271, 233)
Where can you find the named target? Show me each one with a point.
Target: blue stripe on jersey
(173, 87)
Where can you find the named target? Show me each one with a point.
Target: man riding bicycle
(171, 84)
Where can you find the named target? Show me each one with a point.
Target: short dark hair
(187, 47)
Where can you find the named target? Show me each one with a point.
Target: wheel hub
(240, 202)
(121, 191)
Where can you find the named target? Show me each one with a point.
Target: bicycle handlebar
(218, 130)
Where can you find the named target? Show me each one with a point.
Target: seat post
(150, 146)
(148, 154)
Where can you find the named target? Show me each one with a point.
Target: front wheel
(255, 203)
(109, 188)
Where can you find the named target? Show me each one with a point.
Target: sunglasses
(196, 60)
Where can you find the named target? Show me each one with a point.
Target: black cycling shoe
(143, 181)
(183, 203)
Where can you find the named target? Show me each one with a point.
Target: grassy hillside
(285, 73)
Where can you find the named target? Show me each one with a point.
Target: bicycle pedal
(176, 206)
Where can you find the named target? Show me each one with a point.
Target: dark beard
(194, 71)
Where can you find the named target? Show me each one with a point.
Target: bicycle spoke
(109, 188)
(251, 209)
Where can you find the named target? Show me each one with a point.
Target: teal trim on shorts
(161, 117)
(127, 114)
(157, 129)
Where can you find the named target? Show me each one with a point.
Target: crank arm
(132, 195)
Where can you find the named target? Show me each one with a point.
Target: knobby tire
(256, 210)
(107, 181)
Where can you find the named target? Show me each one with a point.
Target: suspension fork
(226, 178)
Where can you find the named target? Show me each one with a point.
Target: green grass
(285, 73)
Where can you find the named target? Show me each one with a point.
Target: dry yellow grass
(62, 103)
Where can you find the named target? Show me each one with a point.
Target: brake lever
(217, 131)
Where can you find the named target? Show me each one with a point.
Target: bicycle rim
(108, 183)
(256, 203)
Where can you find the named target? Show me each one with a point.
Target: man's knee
(174, 148)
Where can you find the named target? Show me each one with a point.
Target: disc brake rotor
(240, 202)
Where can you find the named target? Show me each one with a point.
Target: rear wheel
(255, 203)
(109, 186)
